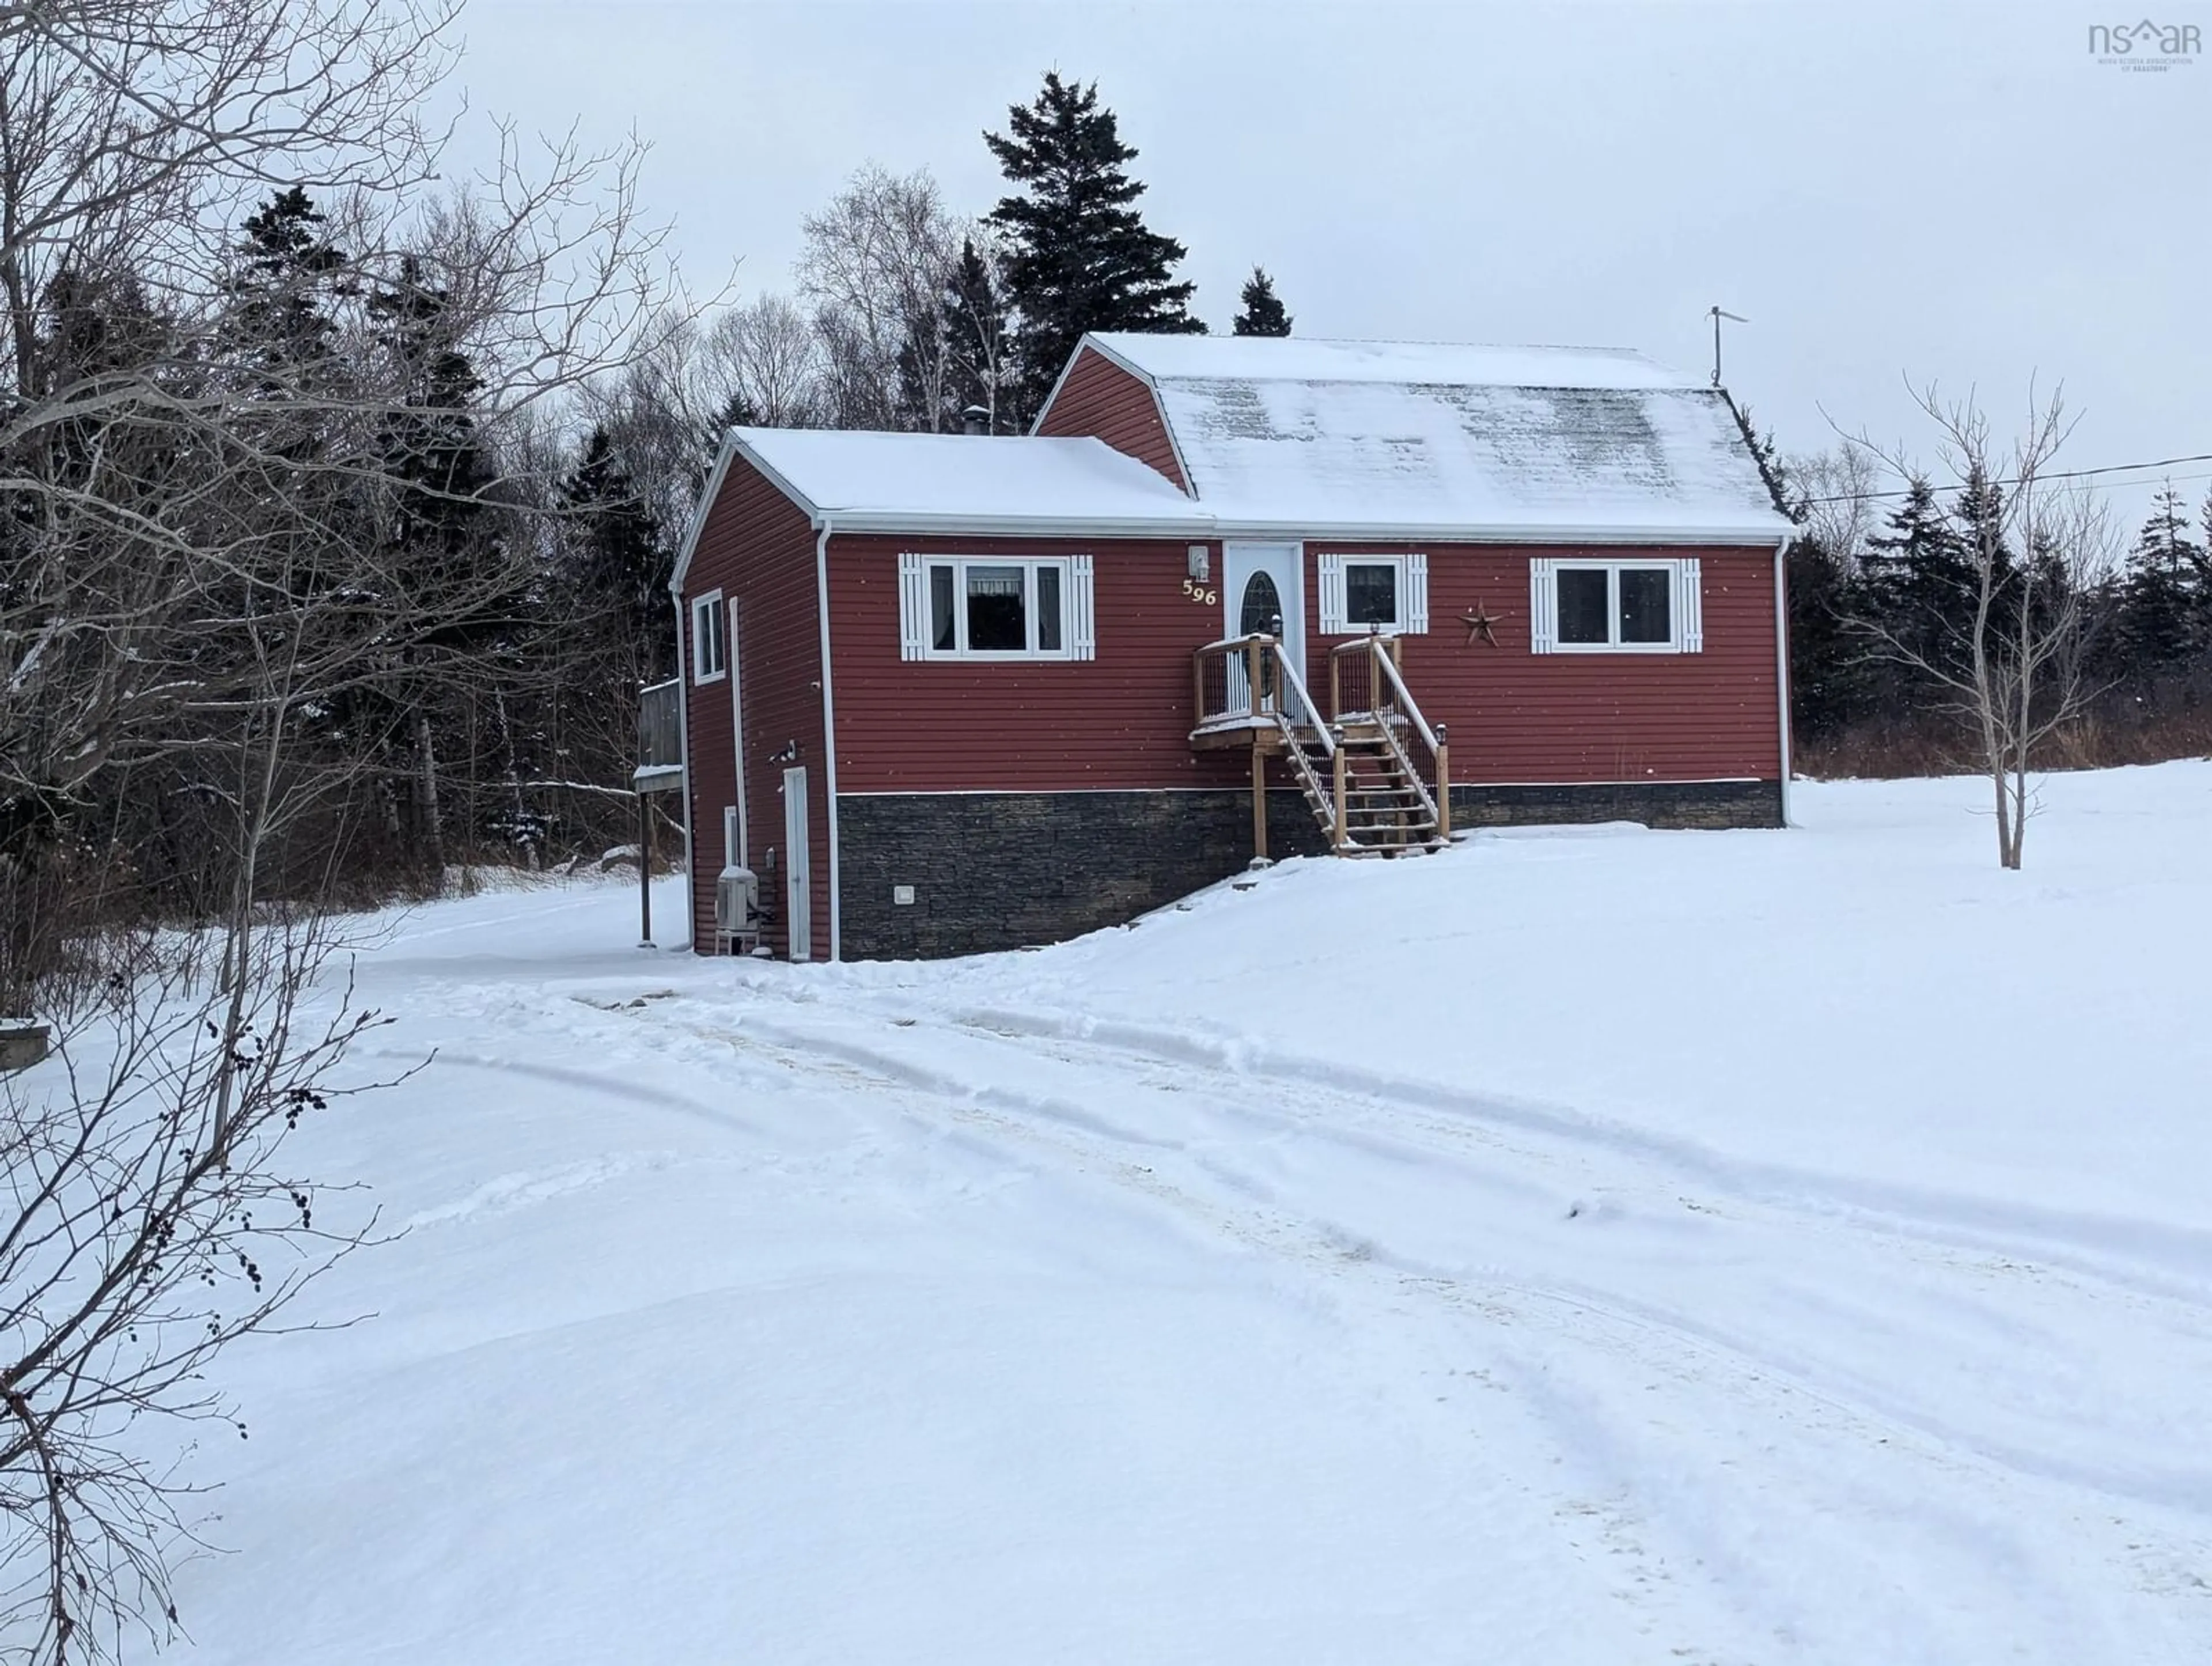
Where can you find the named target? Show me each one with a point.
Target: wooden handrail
(1406, 700)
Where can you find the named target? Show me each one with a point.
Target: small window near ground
(709, 646)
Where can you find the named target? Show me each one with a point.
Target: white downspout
(683, 759)
(1781, 660)
(829, 734)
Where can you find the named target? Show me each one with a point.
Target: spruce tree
(1079, 256)
(979, 342)
(1263, 314)
(2162, 597)
(616, 563)
(1919, 584)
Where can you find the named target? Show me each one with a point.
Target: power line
(2055, 474)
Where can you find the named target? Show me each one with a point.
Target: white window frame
(1685, 603)
(1077, 625)
(1410, 589)
(710, 607)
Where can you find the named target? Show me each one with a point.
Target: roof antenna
(1717, 315)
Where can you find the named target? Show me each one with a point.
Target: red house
(1231, 597)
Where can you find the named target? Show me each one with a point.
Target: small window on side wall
(710, 644)
(1578, 605)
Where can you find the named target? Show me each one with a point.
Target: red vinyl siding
(757, 548)
(1120, 720)
(1123, 720)
(1100, 398)
(1517, 717)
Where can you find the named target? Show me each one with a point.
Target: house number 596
(1198, 593)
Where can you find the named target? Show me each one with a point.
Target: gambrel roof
(1283, 437)
(1548, 441)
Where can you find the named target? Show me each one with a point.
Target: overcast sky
(1960, 192)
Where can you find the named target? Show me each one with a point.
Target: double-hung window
(995, 607)
(1592, 606)
(709, 646)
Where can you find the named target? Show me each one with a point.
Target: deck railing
(1246, 682)
(660, 728)
(1367, 668)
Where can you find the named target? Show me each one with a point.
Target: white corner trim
(829, 738)
(1782, 661)
(690, 784)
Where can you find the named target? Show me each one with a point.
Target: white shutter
(1543, 605)
(1081, 611)
(1689, 607)
(1329, 572)
(914, 607)
(1417, 595)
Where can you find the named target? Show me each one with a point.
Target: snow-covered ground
(1585, 1247)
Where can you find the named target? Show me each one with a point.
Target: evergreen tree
(1263, 313)
(978, 340)
(615, 572)
(2163, 593)
(1919, 584)
(289, 278)
(1079, 258)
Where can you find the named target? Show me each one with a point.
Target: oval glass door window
(1262, 609)
(1260, 613)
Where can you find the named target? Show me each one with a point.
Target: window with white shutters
(1592, 606)
(997, 607)
(1360, 593)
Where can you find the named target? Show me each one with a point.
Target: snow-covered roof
(1292, 438)
(1403, 437)
(1296, 358)
(909, 481)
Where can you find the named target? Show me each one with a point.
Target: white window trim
(1411, 591)
(1077, 613)
(709, 606)
(1685, 603)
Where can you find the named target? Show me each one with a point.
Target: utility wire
(2054, 474)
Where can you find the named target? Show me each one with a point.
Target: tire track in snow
(1576, 1314)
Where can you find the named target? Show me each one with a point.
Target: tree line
(1885, 582)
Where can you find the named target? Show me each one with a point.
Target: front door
(1262, 590)
(798, 870)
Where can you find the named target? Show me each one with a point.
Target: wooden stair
(1388, 811)
(1357, 768)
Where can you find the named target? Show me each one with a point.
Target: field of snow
(1586, 1248)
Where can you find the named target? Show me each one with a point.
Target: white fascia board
(731, 449)
(1199, 525)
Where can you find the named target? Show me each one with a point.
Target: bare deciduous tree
(260, 518)
(764, 355)
(2010, 668)
(876, 265)
(149, 1226)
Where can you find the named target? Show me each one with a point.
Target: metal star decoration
(1479, 623)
